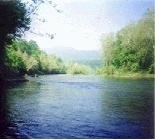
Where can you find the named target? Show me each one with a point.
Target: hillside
(71, 54)
(91, 58)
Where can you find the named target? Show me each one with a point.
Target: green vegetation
(75, 68)
(93, 64)
(13, 22)
(131, 49)
(128, 51)
(26, 58)
(22, 57)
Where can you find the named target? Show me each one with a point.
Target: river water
(66, 106)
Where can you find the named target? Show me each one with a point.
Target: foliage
(14, 59)
(75, 68)
(131, 49)
(13, 22)
(15, 19)
(26, 57)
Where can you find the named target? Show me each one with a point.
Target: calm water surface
(65, 106)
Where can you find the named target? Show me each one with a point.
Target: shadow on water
(8, 125)
(3, 112)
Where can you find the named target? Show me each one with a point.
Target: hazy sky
(82, 22)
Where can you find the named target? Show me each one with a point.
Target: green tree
(75, 68)
(107, 48)
(13, 58)
(144, 38)
(131, 50)
(13, 22)
(15, 19)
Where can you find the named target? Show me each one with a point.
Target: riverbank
(17, 80)
(8, 75)
(130, 75)
(122, 74)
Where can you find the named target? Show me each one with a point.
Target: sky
(81, 23)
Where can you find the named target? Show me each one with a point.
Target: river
(77, 106)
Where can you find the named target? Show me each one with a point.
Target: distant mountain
(66, 53)
(91, 58)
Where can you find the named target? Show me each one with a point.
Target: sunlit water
(65, 106)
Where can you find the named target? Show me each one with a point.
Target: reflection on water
(65, 106)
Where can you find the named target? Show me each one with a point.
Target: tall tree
(13, 22)
(107, 48)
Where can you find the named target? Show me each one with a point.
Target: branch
(33, 10)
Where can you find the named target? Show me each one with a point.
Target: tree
(75, 68)
(13, 58)
(15, 19)
(144, 38)
(131, 50)
(13, 22)
(107, 48)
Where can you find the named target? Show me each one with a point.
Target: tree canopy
(13, 22)
(131, 48)
(13, 19)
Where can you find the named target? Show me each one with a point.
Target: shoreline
(131, 75)
(17, 80)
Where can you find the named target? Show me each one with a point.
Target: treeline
(27, 58)
(131, 49)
